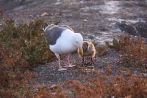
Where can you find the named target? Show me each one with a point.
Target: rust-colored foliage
(134, 86)
(26, 42)
(21, 47)
(104, 86)
(54, 91)
(93, 89)
(109, 69)
(133, 50)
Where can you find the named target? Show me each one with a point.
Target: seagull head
(46, 26)
(78, 42)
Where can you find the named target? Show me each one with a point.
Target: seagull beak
(80, 52)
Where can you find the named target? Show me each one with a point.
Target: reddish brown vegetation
(23, 46)
(133, 50)
(54, 91)
(134, 86)
(79, 90)
(100, 87)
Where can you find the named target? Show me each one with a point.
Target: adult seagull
(62, 40)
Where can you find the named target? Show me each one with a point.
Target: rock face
(137, 29)
(10, 4)
(141, 28)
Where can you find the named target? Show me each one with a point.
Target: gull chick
(88, 50)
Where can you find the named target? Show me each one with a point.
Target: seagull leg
(69, 63)
(59, 61)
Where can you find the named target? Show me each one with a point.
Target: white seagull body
(64, 43)
(63, 40)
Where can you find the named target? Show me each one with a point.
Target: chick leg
(83, 60)
(92, 61)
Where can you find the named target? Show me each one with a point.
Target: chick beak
(80, 52)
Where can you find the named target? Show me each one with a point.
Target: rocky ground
(49, 73)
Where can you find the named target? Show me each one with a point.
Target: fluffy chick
(88, 50)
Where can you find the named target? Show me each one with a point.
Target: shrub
(133, 86)
(133, 50)
(54, 91)
(21, 47)
(27, 40)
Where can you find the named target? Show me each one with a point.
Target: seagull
(88, 50)
(62, 40)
